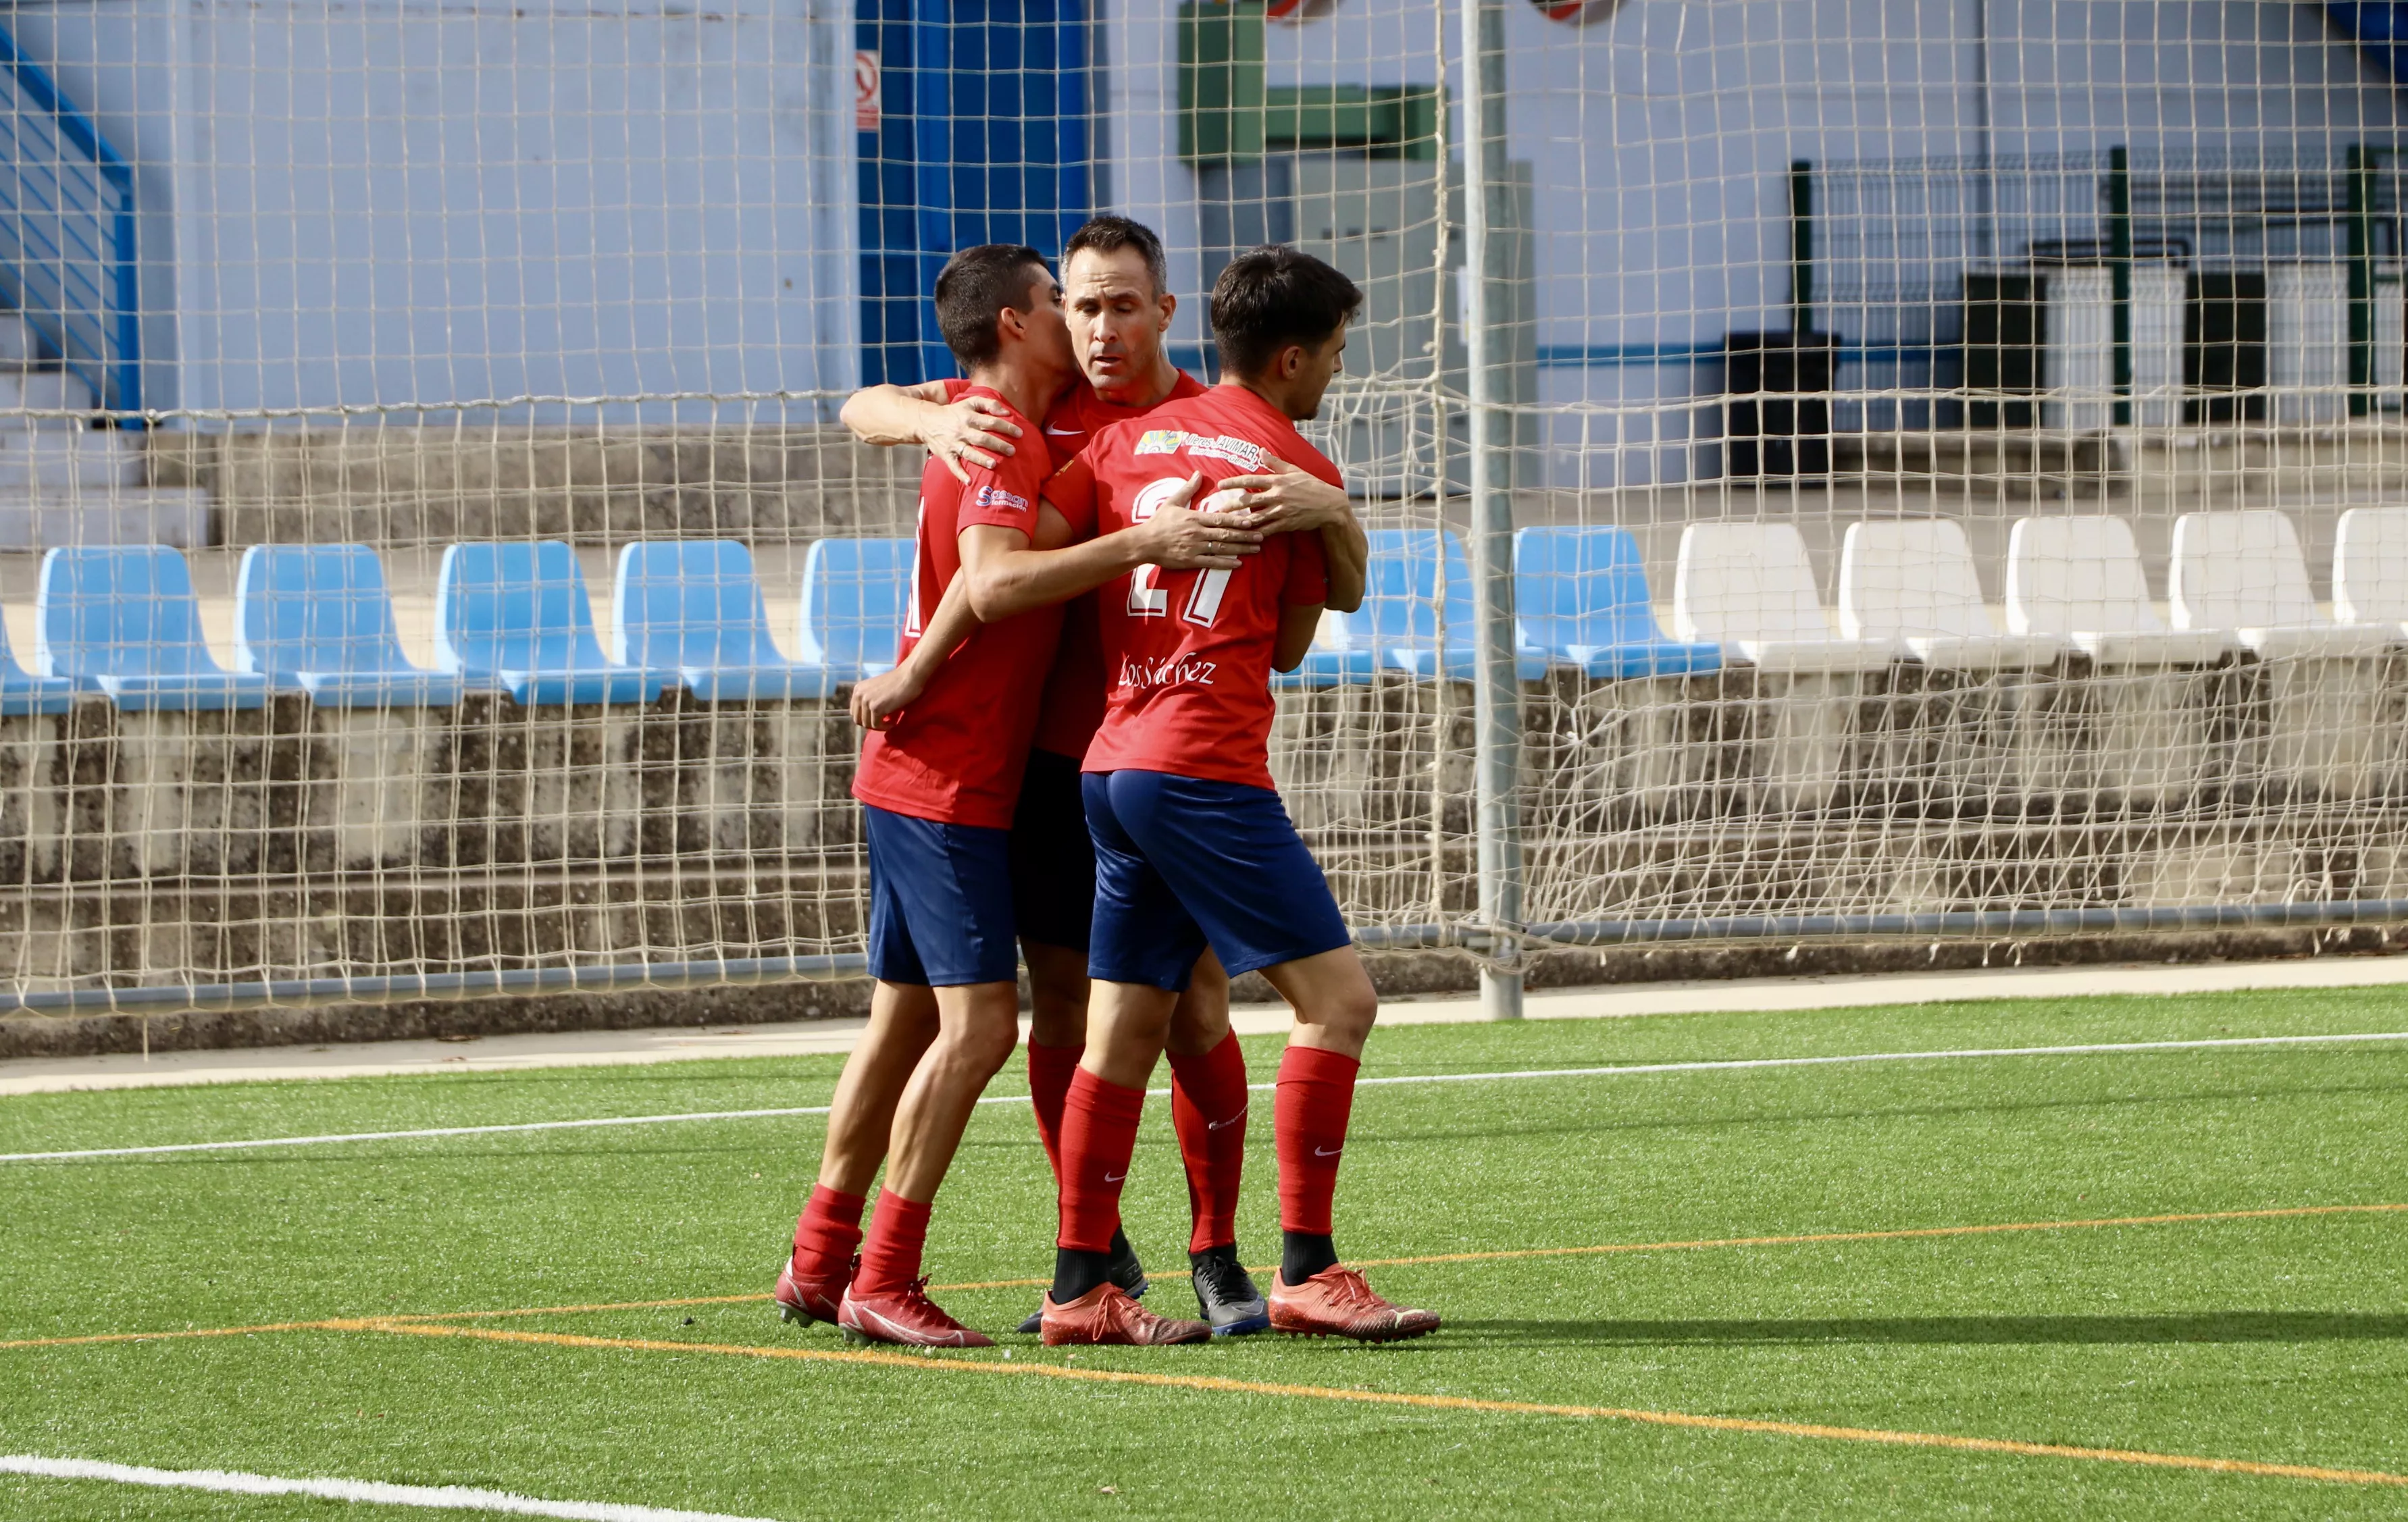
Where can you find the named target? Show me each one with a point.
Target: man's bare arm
(878, 700)
(1009, 577)
(970, 432)
(1299, 623)
(1285, 499)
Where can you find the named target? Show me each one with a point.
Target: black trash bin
(1778, 420)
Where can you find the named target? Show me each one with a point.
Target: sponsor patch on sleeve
(995, 496)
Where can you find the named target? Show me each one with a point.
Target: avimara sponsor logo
(995, 496)
(1236, 451)
(1172, 671)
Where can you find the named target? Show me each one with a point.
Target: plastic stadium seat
(2371, 566)
(318, 616)
(2081, 577)
(1751, 588)
(21, 692)
(124, 621)
(694, 606)
(1915, 582)
(2244, 570)
(855, 595)
(1398, 626)
(515, 615)
(1580, 599)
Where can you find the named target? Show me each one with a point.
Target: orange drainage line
(1808, 1238)
(1210, 1384)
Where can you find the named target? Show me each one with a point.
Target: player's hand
(973, 431)
(1285, 499)
(1178, 539)
(878, 701)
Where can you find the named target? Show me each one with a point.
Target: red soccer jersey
(956, 754)
(1074, 694)
(1188, 653)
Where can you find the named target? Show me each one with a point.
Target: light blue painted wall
(422, 203)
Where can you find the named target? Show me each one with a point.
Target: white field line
(1624, 1069)
(374, 1492)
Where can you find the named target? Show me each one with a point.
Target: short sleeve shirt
(956, 753)
(1073, 706)
(1187, 654)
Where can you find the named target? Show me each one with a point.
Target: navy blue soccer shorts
(939, 901)
(1183, 863)
(1052, 861)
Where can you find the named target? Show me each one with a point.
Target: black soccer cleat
(1228, 1295)
(1123, 1271)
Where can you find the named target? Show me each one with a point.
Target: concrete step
(59, 462)
(117, 516)
(44, 390)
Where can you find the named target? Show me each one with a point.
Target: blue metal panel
(2381, 30)
(67, 233)
(983, 137)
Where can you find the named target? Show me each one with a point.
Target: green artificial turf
(2279, 1340)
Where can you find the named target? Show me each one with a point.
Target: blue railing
(67, 233)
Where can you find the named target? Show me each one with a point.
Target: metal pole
(1497, 694)
(2361, 178)
(2119, 275)
(1801, 246)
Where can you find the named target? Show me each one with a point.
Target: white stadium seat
(1915, 582)
(2081, 579)
(1750, 588)
(2245, 572)
(2371, 566)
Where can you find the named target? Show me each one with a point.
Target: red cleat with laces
(1107, 1315)
(1337, 1303)
(810, 1297)
(907, 1317)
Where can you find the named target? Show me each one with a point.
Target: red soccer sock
(1099, 1138)
(828, 1231)
(1309, 1114)
(1049, 1086)
(1207, 1109)
(890, 1259)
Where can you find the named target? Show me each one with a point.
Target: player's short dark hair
(973, 290)
(1269, 298)
(1108, 234)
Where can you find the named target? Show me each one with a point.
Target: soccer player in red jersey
(1193, 845)
(1120, 310)
(938, 788)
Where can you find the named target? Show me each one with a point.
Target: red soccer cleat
(908, 1317)
(810, 1297)
(1106, 1314)
(1335, 1302)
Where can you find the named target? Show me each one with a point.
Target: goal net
(1954, 458)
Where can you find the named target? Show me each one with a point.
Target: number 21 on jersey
(1149, 601)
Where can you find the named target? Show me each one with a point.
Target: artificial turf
(2276, 1340)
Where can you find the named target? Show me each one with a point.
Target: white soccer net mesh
(1956, 451)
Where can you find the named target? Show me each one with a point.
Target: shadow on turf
(2207, 1326)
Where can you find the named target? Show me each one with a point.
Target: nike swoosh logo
(1065, 433)
(1327, 1151)
(1114, 1178)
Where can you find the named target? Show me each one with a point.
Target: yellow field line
(163, 1336)
(1531, 1252)
(1429, 1402)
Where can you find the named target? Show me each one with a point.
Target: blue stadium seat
(22, 693)
(1581, 597)
(318, 617)
(516, 615)
(693, 606)
(855, 595)
(1398, 627)
(124, 621)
